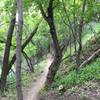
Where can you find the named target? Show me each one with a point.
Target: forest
(50, 50)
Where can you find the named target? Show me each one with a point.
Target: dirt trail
(32, 92)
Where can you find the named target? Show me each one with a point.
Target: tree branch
(42, 11)
(93, 56)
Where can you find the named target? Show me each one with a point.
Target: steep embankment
(72, 86)
(68, 85)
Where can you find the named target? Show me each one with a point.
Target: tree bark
(7, 52)
(8, 68)
(58, 54)
(57, 59)
(24, 45)
(28, 60)
(18, 51)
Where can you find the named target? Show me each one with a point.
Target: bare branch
(94, 55)
(42, 11)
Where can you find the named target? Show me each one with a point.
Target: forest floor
(71, 86)
(31, 92)
(90, 91)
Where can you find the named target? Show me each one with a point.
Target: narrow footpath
(32, 92)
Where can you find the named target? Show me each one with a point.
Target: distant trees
(76, 19)
(76, 27)
(76, 33)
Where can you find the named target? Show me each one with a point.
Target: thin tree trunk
(7, 52)
(80, 36)
(24, 45)
(18, 51)
(29, 62)
(8, 68)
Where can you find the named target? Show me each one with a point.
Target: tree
(18, 50)
(8, 68)
(80, 36)
(58, 52)
(76, 29)
(28, 60)
(7, 51)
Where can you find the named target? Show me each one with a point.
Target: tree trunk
(8, 68)
(80, 36)
(7, 52)
(29, 62)
(57, 59)
(58, 54)
(18, 51)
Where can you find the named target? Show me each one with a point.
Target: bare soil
(32, 91)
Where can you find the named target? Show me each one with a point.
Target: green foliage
(10, 93)
(92, 9)
(26, 79)
(42, 92)
(89, 73)
(26, 74)
(41, 41)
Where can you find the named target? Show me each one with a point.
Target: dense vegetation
(30, 30)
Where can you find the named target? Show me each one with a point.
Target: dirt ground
(86, 92)
(31, 92)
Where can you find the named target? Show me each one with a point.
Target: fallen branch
(93, 56)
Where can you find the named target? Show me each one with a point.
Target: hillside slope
(69, 85)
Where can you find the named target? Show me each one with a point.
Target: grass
(68, 77)
(10, 93)
(42, 91)
(70, 80)
(38, 69)
(89, 73)
(26, 75)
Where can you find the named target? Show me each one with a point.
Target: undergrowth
(67, 76)
(27, 78)
(89, 73)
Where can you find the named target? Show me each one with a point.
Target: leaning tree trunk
(91, 58)
(18, 51)
(57, 58)
(28, 60)
(7, 52)
(58, 54)
(5, 73)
